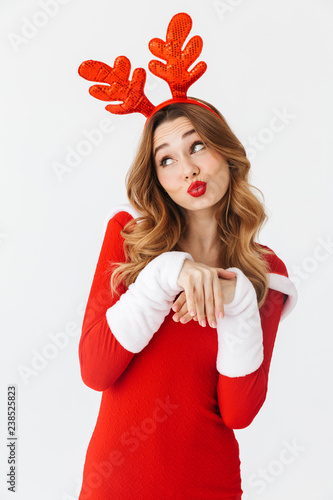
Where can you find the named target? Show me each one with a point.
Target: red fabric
(166, 420)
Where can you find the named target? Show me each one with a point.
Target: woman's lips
(197, 189)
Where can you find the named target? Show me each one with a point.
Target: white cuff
(141, 310)
(285, 285)
(240, 338)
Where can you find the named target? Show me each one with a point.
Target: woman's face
(195, 176)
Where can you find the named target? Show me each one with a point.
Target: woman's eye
(197, 146)
(165, 161)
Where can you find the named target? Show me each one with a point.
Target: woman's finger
(200, 303)
(189, 293)
(186, 318)
(182, 312)
(191, 280)
(178, 304)
(223, 273)
(183, 315)
(210, 302)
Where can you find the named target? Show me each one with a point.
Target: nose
(190, 168)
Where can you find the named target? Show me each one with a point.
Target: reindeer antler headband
(175, 72)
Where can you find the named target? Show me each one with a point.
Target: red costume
(164, 428)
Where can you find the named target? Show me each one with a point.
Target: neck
(201, 238)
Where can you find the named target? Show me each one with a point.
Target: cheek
(221, 181)
(223, 175)
(167, 180)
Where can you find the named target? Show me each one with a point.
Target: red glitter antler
(119, 87)
(175, 71)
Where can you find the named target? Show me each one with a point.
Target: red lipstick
(197, 188)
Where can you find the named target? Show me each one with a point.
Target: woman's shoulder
(121, 214)
(276, 264)
(114, 223)
(279, 279)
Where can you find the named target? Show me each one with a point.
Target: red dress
(165, 424)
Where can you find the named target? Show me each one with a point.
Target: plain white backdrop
(270, 73)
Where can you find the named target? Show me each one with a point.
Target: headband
(175, 71)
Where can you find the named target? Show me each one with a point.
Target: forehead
(171, 129)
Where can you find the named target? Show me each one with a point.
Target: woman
(180, 341)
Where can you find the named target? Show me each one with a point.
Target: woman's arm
(115, 328)
(102, 358)
(246, 343)
(241, 397)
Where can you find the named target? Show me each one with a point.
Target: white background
(263, 58)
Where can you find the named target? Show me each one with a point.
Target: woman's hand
(180, 305)
(204, 293)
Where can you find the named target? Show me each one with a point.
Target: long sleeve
(102, 358)
(140, 311)
(242, 386)
(115, 328)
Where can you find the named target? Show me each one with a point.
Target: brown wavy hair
(240, 214)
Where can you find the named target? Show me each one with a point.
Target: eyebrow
(165, 144)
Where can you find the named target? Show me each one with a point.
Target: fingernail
(192, 313)
(214, 325)
(221, 315)
(203, 322)
(175, 317)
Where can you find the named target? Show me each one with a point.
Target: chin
(198, 204)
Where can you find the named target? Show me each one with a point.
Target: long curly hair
(240, 214)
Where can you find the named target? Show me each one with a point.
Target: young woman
(182, 316)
